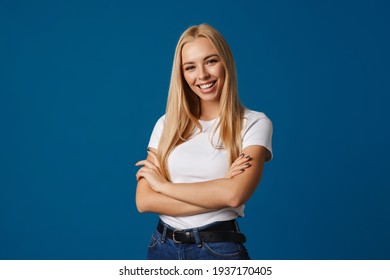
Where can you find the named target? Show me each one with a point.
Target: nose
(203, 74)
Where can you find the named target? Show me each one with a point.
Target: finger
(240, 157)
(144, 172)
(244, 158)
(146, 163)
(151, 151)
(240, 161)
(234, 173)
(141, 162)
(240, 167)
(154, 158)
(243, 165)
(138, 175)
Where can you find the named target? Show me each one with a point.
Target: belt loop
(198, 242)
(237, 227)
(164, 234)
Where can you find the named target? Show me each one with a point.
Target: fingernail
(242, 170)
(148, 149)
(241, 154)
(247, 164)
(248, 157)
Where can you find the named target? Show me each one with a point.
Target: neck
(209, 110)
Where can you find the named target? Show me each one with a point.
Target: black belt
(220, 232)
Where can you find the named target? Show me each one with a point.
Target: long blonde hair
(183, 105)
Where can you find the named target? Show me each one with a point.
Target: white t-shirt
(201, 159)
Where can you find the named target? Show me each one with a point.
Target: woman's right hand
(151, 171)
(238, 166)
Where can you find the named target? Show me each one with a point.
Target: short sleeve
(257, 131)
(156, 134)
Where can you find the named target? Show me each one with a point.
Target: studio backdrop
(82, 84)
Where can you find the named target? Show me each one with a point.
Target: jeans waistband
(224, 231)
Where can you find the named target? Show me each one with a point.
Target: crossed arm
(155, 194)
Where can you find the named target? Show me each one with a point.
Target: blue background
(82, 84)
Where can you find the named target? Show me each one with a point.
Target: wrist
(165, 187)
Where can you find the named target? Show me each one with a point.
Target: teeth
(206, 85)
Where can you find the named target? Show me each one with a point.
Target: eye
(189, 68)
(211, 61)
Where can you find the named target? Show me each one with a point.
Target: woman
(205, 155)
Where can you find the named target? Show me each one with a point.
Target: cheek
(189, 79)
(221, 76)
(219, 72)
(222, 73)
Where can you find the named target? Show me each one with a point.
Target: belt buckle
(173, 236)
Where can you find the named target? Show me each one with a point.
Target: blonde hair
(183, 105)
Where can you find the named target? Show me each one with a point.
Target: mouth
(207, 85)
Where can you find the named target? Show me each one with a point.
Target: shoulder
(257, 130)
(160, 122)
(251, 117)
(156, 133)
(159, 126)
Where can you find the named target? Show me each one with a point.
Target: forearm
(219, 193)
(147, 200)
(224, 192)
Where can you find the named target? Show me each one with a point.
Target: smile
(206, 86)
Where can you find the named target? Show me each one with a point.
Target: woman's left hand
(238, 166)
(151, 172)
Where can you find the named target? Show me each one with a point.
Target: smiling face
(203, 72)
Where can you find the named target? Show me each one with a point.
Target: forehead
(197, 49)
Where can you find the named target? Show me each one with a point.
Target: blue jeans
(163, 248)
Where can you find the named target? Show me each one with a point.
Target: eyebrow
(207, 57)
